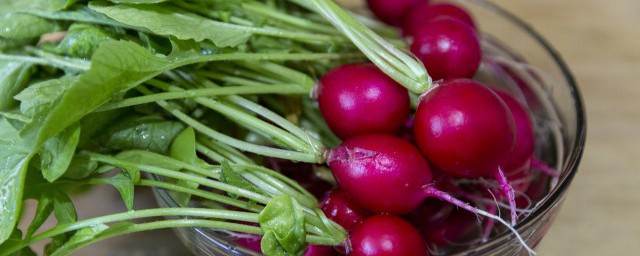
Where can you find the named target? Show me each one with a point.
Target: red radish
(386, 235)
(387, 174)
(465, 129)
(521, 155)
(342, 210)
(359, 98)
(249, 241)
(425, 12)
(320, 250)
(448, 48)
(442, 224)
(381, 172)
(392, 11)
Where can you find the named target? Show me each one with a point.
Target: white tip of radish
(513, 230)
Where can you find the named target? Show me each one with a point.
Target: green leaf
(57, 153)
(137, 1)
(141, 132)
(124, 184)
(80, 14)
(269, 245)
(183, 149)
(43, 211)
(115, 68)
(79, 239)
(82, 40)
(284, 219)
(20, 26)
(58, 5)
(63, 208)
(232, 177)
(149, 158)
(13, 77)
(165, 20)
(14, 239)
(36, 100)
(15, 158)
(81, 167)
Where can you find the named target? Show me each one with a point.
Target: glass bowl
(520, 61)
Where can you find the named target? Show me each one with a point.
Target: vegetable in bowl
(200, 113)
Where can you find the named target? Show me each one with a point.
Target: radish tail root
(431, 191)
(507, 190)
(536, 163)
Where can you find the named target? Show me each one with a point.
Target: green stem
(273, 13)
(175, 223)
(283, 72)
(318, 149)
(45, 62)
(181, 176)
(138, 214)
(403, 68)
(197, 192)
(246, 120)
(206, 92)
(306, 37)
(277, 175)
(226, 78)
(240, 144)
(229, 153)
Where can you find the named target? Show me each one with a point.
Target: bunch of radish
(462, 129)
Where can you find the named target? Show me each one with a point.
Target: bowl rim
(573, 160)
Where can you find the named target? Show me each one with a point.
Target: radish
(520, 157)
(442, 224)
(381, 172)
(358, 99)
(386, 235)
(425, 12)
(342, 210)
(392, 11)
(448, 48)
(387, 174)
(320, 250)
(465, 129)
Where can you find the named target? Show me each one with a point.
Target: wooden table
(600, 40)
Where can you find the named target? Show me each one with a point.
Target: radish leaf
(166, 20)
(282, 222)
(13, 167)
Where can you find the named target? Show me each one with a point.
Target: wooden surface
(600, 41)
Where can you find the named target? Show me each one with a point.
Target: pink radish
(381, 172)
(342, 210)
(448, 48)
(392, 11)
(465, 129)
(386, 235)
(442, 224)
(425, 12)
(387, 174)
(359, 98)
(320, 250)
